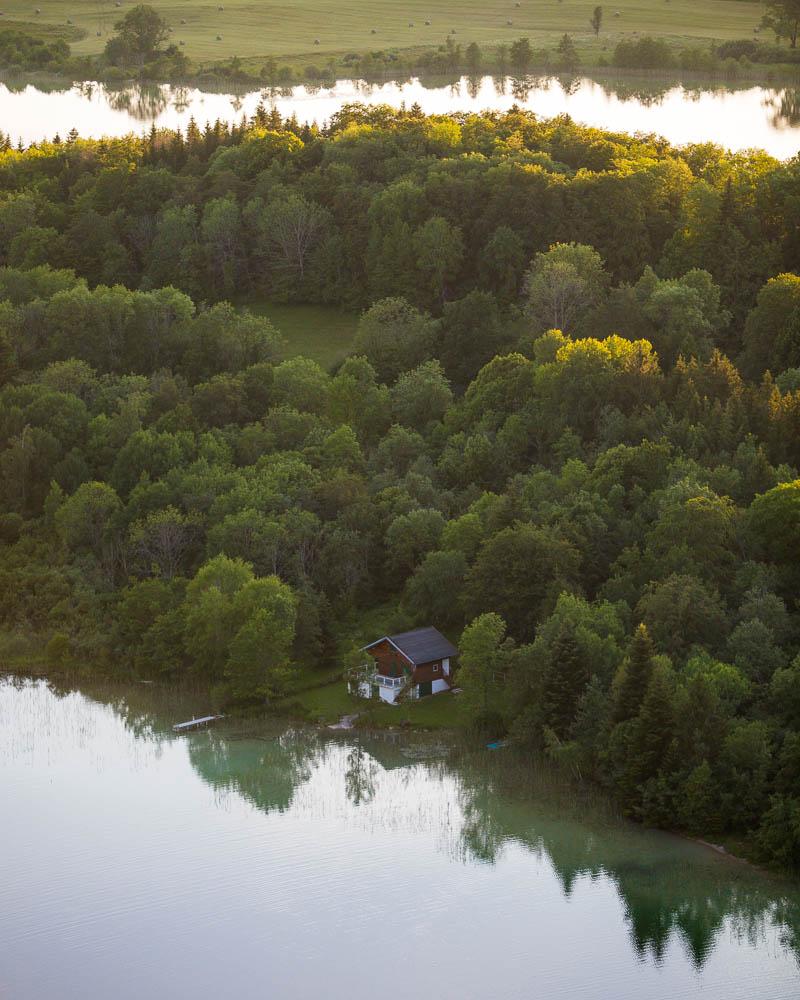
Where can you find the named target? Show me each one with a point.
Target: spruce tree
(651, 736)
(654, 739)
(590, 728)
(566, 680)
(634, 677)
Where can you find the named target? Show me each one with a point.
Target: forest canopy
(568, 427)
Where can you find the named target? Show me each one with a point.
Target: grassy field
(323, 333)
(254, 30)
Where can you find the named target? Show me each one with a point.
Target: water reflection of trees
(669, 889)
(144, 102)
(147, 101)
(359, 775)
(147, 712)
(265, 772)
(784, 108)
(473, 86)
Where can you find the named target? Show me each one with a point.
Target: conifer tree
(634, 676)
(566, 680)
(653, 732)
(590, 728)
(641, 751)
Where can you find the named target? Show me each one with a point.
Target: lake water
(256, 861)
(746, 117)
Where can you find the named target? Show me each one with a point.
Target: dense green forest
(569, 428)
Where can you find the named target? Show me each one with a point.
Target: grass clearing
(253, 30)
(439, 711)
(327, 704)
(323, 333)
(322, 704)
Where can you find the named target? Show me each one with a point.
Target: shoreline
(361, 723)
(222, 83)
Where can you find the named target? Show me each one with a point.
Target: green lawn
(329, 703)
(323, 333)
(322, 696)
(439, 711)
(256, 30)
(323, 704)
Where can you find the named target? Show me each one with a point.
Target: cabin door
(425, 687)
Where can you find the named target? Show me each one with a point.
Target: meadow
(210, 32)
(323, 333)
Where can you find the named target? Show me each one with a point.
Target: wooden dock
(182, 727)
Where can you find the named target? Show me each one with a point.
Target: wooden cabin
(410, 665)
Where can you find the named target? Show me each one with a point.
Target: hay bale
(316, 41)
(374, 31)
(509, 22)
(617, 13)
(219, 38)
(411, 24)
(428, 23)
(183, 20)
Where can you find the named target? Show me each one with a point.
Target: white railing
(389, 682)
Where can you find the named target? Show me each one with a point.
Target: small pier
(183, 727)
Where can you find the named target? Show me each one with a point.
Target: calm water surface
(254, 861)
(747, 117)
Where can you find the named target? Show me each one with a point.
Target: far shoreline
(216, 80)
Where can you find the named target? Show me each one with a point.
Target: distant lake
(259, 860)
(736, 118)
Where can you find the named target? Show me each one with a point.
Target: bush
(26, 52)
(775, 54)
(646, 53)
(699, 60)
(738, 47)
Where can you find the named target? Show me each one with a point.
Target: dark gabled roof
(421, 645)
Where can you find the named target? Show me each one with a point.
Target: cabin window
(436, 668)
